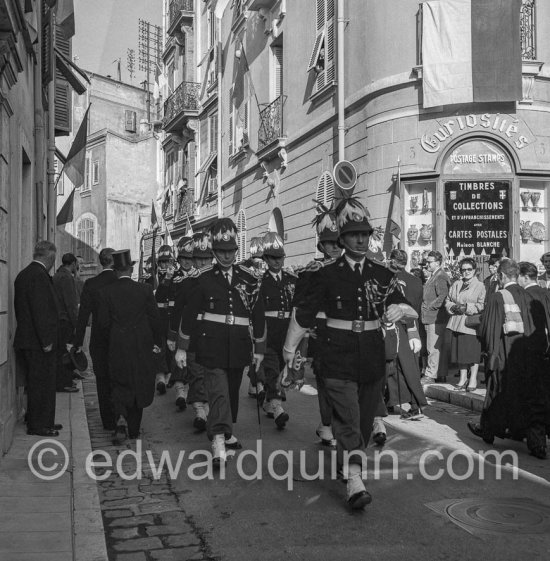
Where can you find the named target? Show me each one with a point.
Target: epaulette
(179, 278)
(290, 272)
(196, 273)
(314, 266)
(252, 271)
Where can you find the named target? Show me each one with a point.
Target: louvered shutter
(278, 70)
(48, 57)
(63, 91)
(241, 233)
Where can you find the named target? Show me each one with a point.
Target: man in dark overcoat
(35, 338)
(99, 342)
(232, 331)
(357, 295)
(129, 316)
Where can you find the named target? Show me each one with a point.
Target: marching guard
(357, 295)
(170, 277)
(229, 296)
(327, 235)
(197, 398)
(277, 293)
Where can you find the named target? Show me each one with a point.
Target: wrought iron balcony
(528, 30)
(186, 205)
(271, 123)
(177, 10)
(183, 103)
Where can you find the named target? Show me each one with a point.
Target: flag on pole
(75, 166)
(65, 17)
(154, 221)
(471, 51)
(66, 214)
(395, 215)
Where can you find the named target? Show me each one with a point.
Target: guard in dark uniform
(229, 296)
(357, 295)
(327, 236)
(147, 273)
(277, 293)
(202, 259)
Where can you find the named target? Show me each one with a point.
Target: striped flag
(395, 213)
(471, 51)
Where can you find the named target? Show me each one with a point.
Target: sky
(106, 29)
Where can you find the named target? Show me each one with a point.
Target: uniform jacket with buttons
(345, 295)
(165, 295)
(225, 345)
(277, 296)
(182, 299)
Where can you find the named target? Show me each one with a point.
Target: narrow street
(410, 517)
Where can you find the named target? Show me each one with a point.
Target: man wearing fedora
(129, 316)
(277, 292)
(357, 295)
(99, 342)
(229, 295)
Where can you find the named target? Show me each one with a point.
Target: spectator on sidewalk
(434, 317)
(129, 317)
(67, 298)
(79, 281)
(544, 279)
(491, 281)
(466, 298)
(99, 343)
(35, 338)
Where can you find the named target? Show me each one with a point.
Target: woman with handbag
(464, 303)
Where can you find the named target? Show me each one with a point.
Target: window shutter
(320, 14)
(130, 118)
(48, 57)
(278, 70)
(87, 175)
(241, 234)
(63, 97)
(329, 189)
(246, 123)
(330, 44)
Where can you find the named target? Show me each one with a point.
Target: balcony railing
(176, 10)
(184, 99)
(186, 205)
(271, 123)
(528, 30)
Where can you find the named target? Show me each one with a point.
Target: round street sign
(345, 175)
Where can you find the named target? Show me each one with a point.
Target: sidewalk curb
(88, 532)
(446, 393)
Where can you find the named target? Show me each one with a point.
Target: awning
(65, 67)
(207, 163)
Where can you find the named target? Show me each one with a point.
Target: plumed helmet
(256, 248)
(165, 253)
(202, 245)
(185, 247)
(273, 245)
(325, 223)
(352, 216)
(224, 234)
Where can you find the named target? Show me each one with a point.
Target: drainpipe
(341, 99)
(51, 198)
(219, 139)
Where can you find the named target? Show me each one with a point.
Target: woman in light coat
(466, 298)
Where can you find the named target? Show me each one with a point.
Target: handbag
(473, 321)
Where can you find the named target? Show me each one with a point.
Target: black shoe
(120, 435)
(199, 423)
(170, 383)
(235, 445)
(539, 452)
(69, 389)
(42, 432)
(161, 388)
(282, 420)
(475, 428)
(380, 438)
(360, 500)
(57, 426)
(78, 376)
(181, 403)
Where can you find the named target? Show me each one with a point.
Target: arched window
(325, 189)
(241, 235)
(86, 234)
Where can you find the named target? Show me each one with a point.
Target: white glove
(256, 359)
(156, 349)
(69, 346)
(181, 358)
(288, 357)
(415, 345)
(171, 345)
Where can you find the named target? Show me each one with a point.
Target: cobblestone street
(144, 517)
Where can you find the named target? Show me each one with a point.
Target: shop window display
(419, 198)
(533, 219)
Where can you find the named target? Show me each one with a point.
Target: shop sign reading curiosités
(498, 123)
